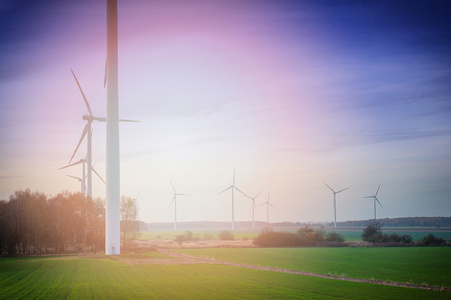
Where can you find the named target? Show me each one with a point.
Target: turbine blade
(173, 199)
(369, 197)
(182, 194)
(377, 190)
(104, 81)
(255, 205)
(100, 119)
(83, 94)
(341, 190)
(256, 196)
(233, 175)
(124, 120)
(272, 205)
(85, 130)
(138, 194)
(226, 189)
(78, 178)
(75, 163)
(172, 186)
(263, 203)
(329, 188)
(240, 191)
(98, 175)
(378, 202)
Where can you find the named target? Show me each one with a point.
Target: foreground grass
(419, 265)
(87, 278)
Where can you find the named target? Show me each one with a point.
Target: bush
(310, 236)
(334, 237)
(394, 237)
(406, 239)
(277, 239)
(372, 233)
(186, 237)
(226, 235)
(432, 240)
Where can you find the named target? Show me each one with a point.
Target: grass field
(416, 235)
(88, 278)
(419, 265)
(354, 235)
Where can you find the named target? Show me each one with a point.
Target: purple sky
(291, 93)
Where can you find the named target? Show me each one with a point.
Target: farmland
(419, 265)
(100, 277)
(350, 234)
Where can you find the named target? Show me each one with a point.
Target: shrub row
(305, 236)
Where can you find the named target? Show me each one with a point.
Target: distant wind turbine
(233, 187)
(136, 200)
(82, 183)
(174, 200)
(254, 208)
(375, 199)
(88, 131)
(335, 202)
(267, 208)
(82, 161)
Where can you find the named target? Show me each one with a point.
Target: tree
(129, 215)
(372, 229)
(334, 237)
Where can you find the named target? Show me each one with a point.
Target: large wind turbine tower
(112, 210)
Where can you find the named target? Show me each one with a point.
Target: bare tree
(129, 215)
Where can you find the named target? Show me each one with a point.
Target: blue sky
(290, 93)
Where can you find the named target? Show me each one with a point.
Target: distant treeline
(436, 222)
(32, 223)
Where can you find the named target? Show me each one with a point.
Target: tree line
(32, 223)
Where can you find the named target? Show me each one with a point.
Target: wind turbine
(267, 208)
(254, 208)
(335, 202)
(82, 183)
(174, 200)
(233, 187)
(375, 199)
(136, 200)
(82, 161)
(88, 131)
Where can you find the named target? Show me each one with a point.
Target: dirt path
(193, 260)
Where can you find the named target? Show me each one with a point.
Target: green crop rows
(87, 278)
(419, 265)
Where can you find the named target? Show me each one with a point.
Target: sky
(290, 94)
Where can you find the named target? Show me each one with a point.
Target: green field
(349, 235)
(416, 235)
(419, 265)
(88, 278)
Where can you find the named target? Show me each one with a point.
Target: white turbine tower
(267, 208)
(335, 202)
(254, 208)
(174, 200)
(375, 199)
(233, 187)
(113, 198)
